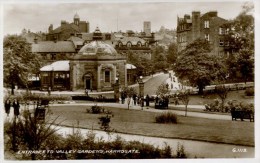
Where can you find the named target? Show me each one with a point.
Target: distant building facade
(65, 30)
(207, 26)
(147, 28)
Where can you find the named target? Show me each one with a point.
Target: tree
(184, 96)
(240, 39)
(222, 92)
(245, 65)
(160, 62)
(163, 90)
(143, 65)
(196, 65)
(19, 61)
(172, 53)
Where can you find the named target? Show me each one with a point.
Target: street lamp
(141, 86)
(116, 89)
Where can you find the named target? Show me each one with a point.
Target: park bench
(44, 103)
(242, 114)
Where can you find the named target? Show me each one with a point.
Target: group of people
(162, 101)
(135, 99)
(16, 106)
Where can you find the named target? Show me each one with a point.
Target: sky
(110, 16)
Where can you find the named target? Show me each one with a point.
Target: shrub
(97, 109)
(180, 152)
(97, 99)
(104, 122)
(77, 141)
(166, 117)
(250, 92)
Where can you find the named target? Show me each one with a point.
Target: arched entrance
(88, 81)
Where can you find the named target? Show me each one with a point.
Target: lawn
(143, 123)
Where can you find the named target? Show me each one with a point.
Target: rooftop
(50, 46)
(57, 66)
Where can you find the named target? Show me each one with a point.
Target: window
(129, 44)
(107, 76)
(207, 37)
(206, 24)
(221, 31)
(139, 44)
(221, 43)
(120, 44)
(227, 31)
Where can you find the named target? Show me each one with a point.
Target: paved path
(151, 109)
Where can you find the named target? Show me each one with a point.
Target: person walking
(147, 100)
(16, 107)
(86, 92)
(7, 107)
(49, 90)
(142, 102)
(134, 98)
(123, 97)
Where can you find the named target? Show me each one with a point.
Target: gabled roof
(57, 66)
(50, 46)
(66, 26)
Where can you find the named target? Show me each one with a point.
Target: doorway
(88, 83)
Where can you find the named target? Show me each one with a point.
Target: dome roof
(97, 48)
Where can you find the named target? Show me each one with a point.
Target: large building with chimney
(205, 26)
(65, 30)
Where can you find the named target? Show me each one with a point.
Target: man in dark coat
(147, 99)
(134, 98)
(7, 107)
(16, 107)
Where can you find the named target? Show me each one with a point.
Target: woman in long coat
(16, 107)
(147, 99)
(7, 107)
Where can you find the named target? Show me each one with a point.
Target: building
(97, 66)
(66, 30)
(51, 51)
(31, 36)
(55, 76)
(207, 26)
(135, 45)
(147, 28)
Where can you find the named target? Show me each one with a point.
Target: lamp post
(141, 86)
(141, 91)
(116, 90)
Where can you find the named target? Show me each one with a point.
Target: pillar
(116, 91)
(98, 77)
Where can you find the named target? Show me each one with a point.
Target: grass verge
(143, 123)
